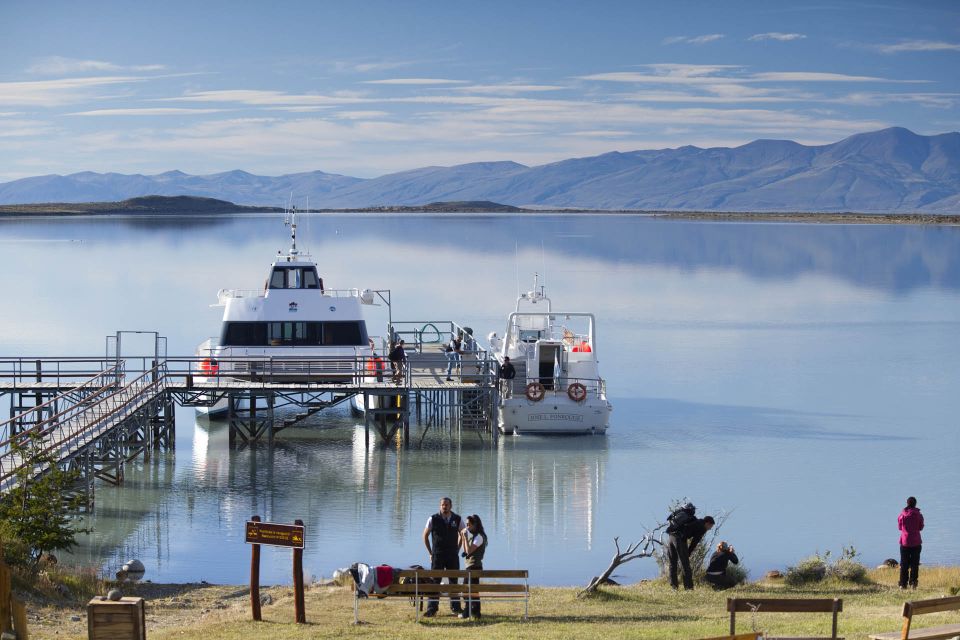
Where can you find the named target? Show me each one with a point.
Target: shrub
(812, 569)
(817, 567)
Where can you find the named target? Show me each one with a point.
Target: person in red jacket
(910, 523)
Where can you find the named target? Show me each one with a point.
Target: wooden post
(299, 610)
(19, 619)
(4, 596)
(255, 578)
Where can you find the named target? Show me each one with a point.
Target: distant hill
(893, 170)
(152, 205)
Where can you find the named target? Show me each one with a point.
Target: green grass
(648, 610)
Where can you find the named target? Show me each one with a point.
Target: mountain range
(891, 170)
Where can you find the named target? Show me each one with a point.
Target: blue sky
(367, 88)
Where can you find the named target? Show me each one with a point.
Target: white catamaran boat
(558, 388)
(292, 330)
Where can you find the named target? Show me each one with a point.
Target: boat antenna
(293, 230)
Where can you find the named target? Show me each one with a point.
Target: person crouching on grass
(717, 569)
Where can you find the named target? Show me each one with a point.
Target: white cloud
(918, 45)
(48, 93)
(704, 39)
(60, 66)
(817, 76)
(509, 88)
(415, 81)
(258, 97)
(150, 111)
(776, 35)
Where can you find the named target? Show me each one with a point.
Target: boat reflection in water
(356, 502)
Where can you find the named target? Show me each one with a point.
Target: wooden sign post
(276, 535)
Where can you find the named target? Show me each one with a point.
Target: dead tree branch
(642, 548)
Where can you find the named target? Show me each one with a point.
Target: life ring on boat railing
(535, 392)
(583, 347)
(577, 392)
(209, 367)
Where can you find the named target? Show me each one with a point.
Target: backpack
(681, 519)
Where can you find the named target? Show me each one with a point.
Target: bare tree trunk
(642, 548)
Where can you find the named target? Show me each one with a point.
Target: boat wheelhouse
(293, 330)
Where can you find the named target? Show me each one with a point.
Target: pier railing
(91, 408)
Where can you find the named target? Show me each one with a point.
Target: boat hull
(557, 415)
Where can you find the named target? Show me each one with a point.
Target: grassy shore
(647, 610)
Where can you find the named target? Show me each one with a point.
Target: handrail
(67, 425)
(114, 370)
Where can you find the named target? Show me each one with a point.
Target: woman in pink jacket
(910, 523)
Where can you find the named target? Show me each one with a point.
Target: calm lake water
(802, 378)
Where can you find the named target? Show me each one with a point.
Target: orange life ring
(577, 392)
(535, 392)
(209, 367)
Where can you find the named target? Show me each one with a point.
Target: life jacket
(445, 536)
(475, 559)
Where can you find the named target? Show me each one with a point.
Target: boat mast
(293, 231)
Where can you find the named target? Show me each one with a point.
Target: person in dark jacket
(910, 523)
(441, 537)
(398, 360)
(717, 568)
(507, 372)
(474, 540)
(684, 536)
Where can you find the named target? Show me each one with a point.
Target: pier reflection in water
(357, 503)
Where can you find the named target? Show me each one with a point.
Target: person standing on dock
(398, 359)
(441, 537)
(910, 523)
(507, 373)
(454, 354)
(685, 532)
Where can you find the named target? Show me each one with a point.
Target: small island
(195, 205)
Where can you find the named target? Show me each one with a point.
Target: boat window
(278, 279)
(244, 334)
(310, 279)
(343, 334)
(295, 278)
(285, 334)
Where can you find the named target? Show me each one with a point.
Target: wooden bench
(739, 636)
(786, 605)
(919, 607)
(421, 584)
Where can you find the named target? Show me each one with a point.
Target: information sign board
(275, 534)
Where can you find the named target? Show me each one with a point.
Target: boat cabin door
(551, 364)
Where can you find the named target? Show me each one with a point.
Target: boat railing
(418, 334)
(560, 385)
(365, 295)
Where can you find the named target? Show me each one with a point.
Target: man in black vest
(441, 537)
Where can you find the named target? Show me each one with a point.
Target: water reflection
(354, 500)
(754, 367)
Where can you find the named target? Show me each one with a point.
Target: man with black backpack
(685, 531)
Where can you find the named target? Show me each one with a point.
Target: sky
(366, 88)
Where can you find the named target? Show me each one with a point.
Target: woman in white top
(474, 542)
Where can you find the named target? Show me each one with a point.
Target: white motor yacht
(292, 330)
(558, 388)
